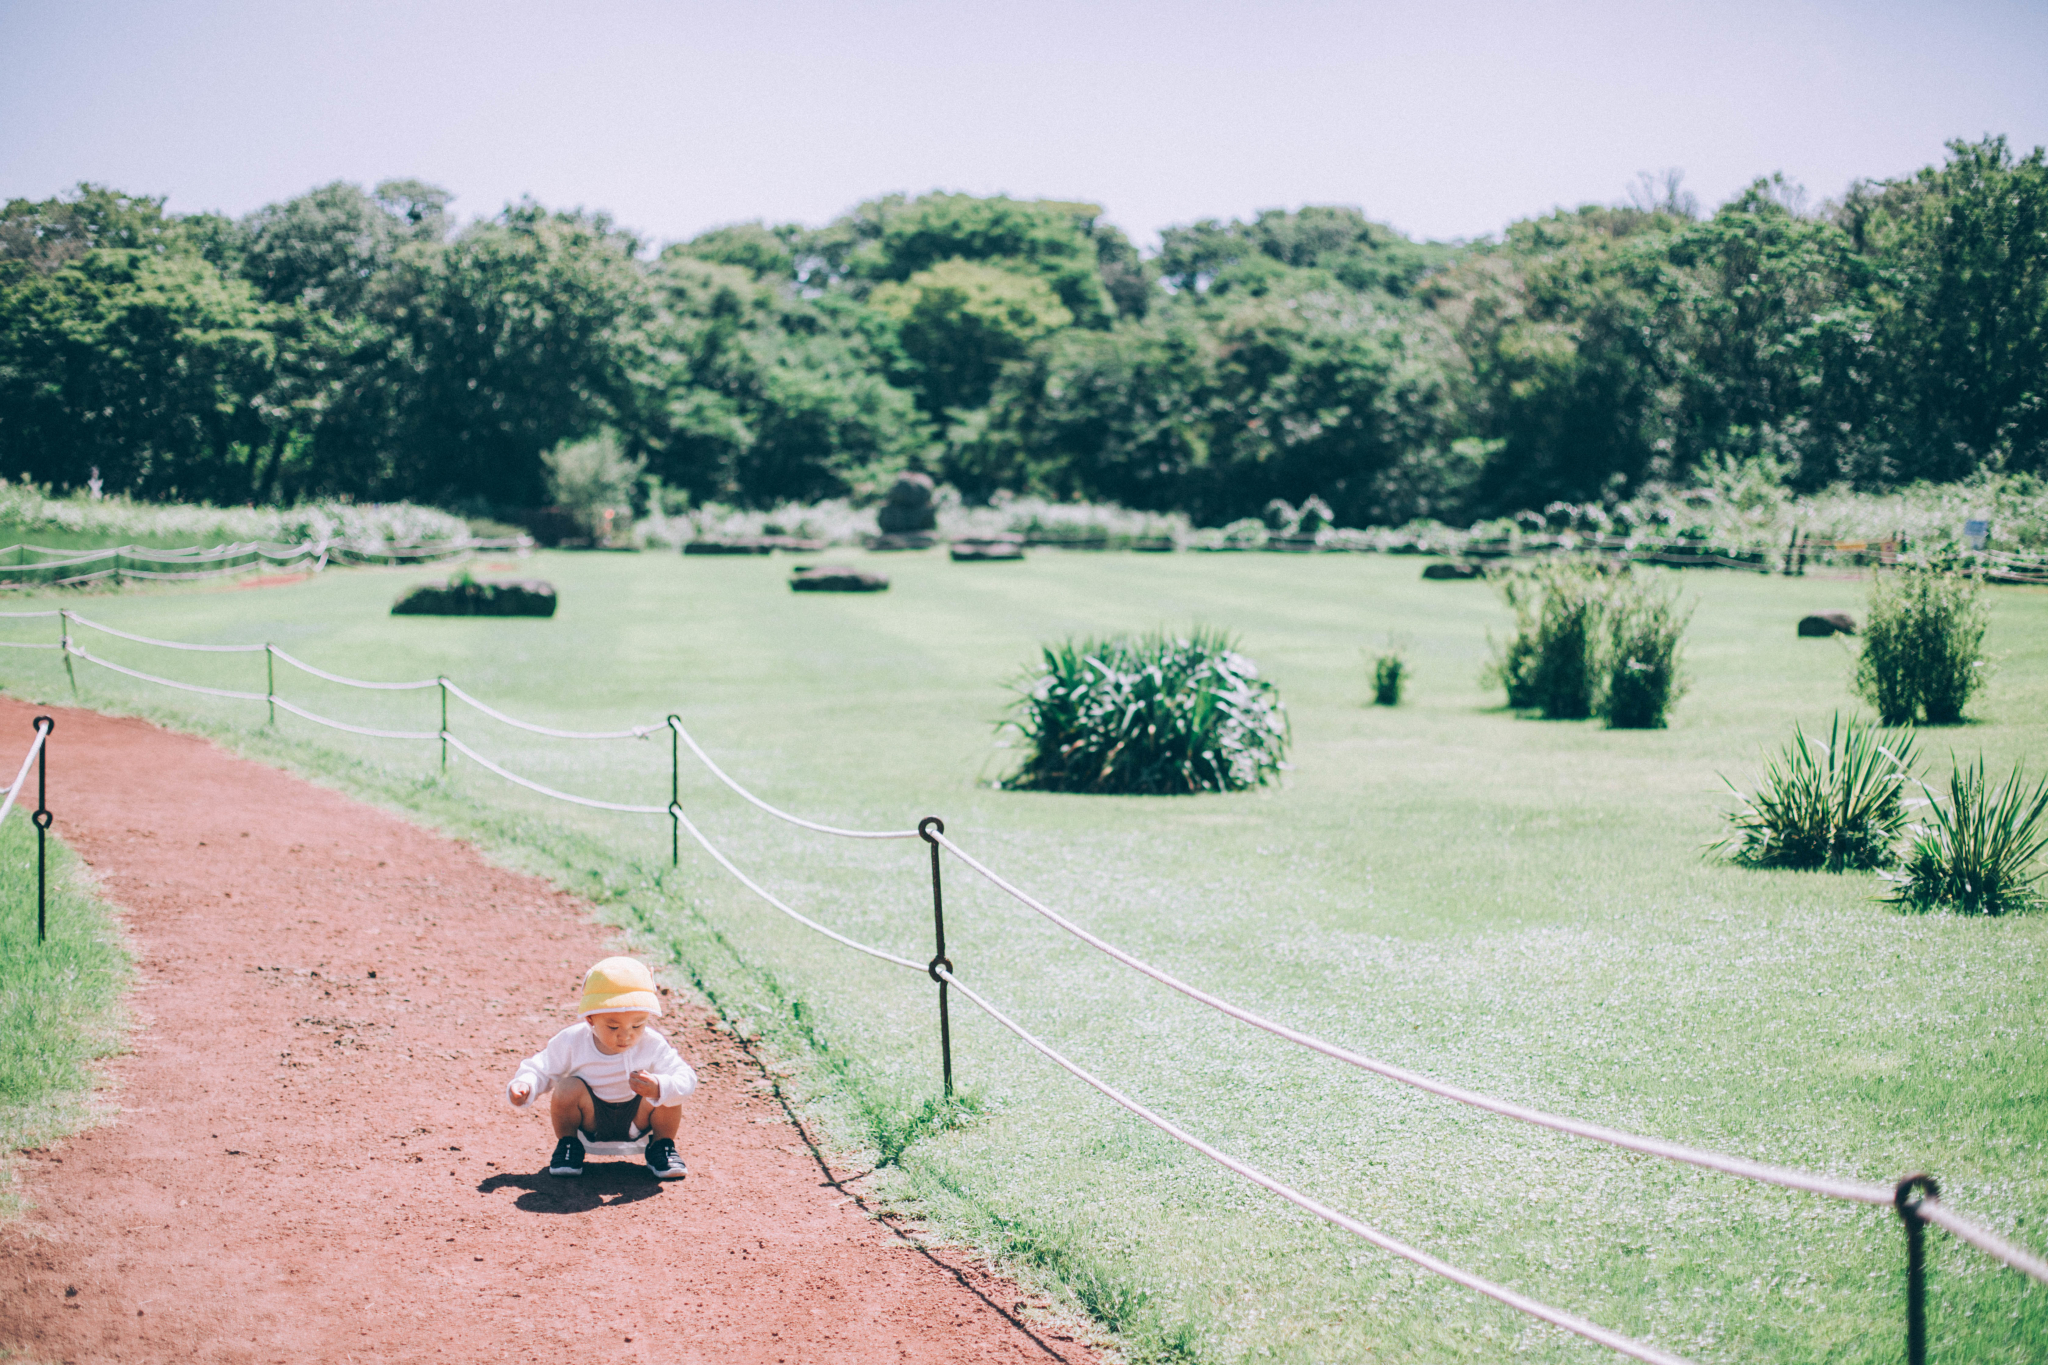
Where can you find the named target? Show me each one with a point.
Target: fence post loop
(1911, 1191)
(925, 828)
(675, 790)
(43, 819)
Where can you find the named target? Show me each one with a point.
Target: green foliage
(1389, 674)
(592, 478)
(1589, 641)
(960, 322)
(1150, 715)
(1922, 646)
(1552, 662)
(1978, 851)
(344, 342)
(1645, 626)
(1833, 806)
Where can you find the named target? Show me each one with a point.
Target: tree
(521, 333)
(325, 247)
(769, 396)
(1961, 313)
(960, 322)
(168, 377)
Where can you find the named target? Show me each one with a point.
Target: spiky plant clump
(1832, 806)
(1645, 626)
(1923, 645)
(1157, 714)
(1552, 661)
(1978, 852)
(1389, 671)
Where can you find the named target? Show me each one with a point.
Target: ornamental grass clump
(1389, 671)
(1978, 851)
(1923, 646)
(1644, 628)
(1833, 806)
(1156, 714)
(1552, 661)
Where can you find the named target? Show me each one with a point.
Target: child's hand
(520, 1094)
(644, 1085)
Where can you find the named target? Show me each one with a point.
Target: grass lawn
(60, 1000)
(1515, 905)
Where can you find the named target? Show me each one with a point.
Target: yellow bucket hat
(618, 983)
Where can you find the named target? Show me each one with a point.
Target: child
(613, 1078)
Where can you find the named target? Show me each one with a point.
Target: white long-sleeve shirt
(574, 1052)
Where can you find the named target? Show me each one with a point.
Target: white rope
(804, 920)
(14, 788)
(161, 644)
(1858, 1191)
(305, 667)
(1982, 1238)
(798, 821)
(165, 682)
(637, 732)
(21, 615)
(1557, 1317)
(353, 729)
(26, 644)
(548, 791)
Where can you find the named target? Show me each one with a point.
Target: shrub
(1552, 662)
(462, 595)
(1644, 628)
(1389, 671)
(1976, 853)
(594, 481)
(1150, 715)
(1834, 806)
(1922, 646)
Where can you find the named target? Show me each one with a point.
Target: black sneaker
(663, 1161)
(568, 1157)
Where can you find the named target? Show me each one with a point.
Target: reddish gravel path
(312, 1159)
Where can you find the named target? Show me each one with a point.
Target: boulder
(1452, 569)
(970, 550)
(836, 578)
(1823, 623)
(909, 507)
(466, 597)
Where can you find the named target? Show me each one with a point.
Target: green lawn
(1515, 905)
(60, 999)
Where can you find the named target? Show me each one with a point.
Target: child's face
(617, 1030)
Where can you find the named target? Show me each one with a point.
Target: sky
(1448, 119)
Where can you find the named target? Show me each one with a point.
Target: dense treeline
(357, 343)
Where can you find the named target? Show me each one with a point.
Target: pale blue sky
(1447, 119)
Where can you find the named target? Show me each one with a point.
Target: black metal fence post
(939, 959)
(42, 818)
(1910, 1191)
(270, 680)
(675, 791)
(444, 723)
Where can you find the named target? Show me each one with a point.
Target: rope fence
(1915, 1197)
(54, 567)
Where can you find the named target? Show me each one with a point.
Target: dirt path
(313, 1161)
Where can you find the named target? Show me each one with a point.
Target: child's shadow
(602, 1184)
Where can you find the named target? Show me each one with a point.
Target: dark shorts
(614, 1119)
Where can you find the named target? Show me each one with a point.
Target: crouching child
(610, 1077)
